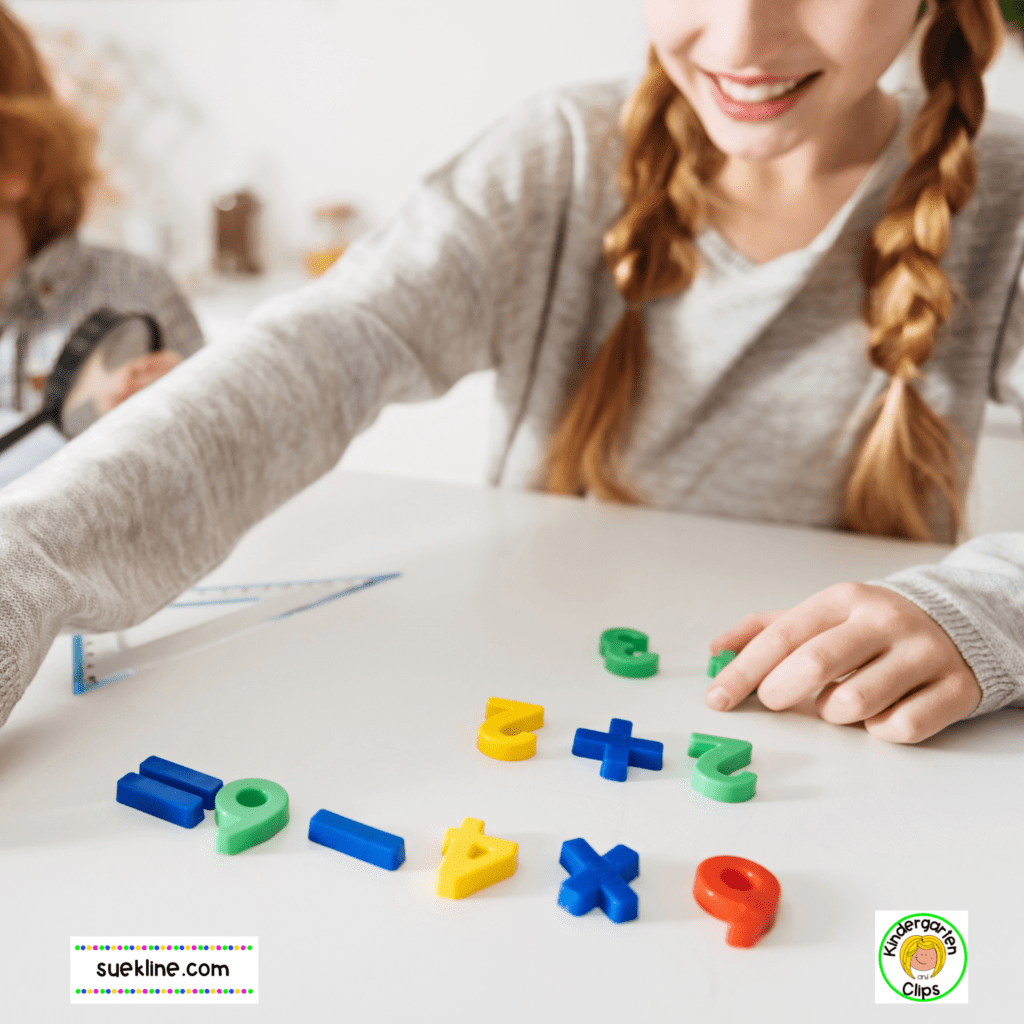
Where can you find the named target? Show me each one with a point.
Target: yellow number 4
(472, 860)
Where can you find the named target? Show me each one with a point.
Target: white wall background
(319, 100)
(313, 101)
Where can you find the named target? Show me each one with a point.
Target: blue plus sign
(617, 749)
(599, 881)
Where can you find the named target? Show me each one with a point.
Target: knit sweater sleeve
(976, 593)
(154, 495)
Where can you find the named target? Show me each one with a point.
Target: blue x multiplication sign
(596, 881)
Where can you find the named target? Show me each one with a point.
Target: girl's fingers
(823, 659)
(927, 710)
(744, 631)
(873, 655)
(879, 685)
(771, 646)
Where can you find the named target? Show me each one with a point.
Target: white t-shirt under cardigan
(754, 401)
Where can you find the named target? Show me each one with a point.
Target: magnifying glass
(77, 391)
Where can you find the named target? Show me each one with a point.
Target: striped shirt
(57, 289)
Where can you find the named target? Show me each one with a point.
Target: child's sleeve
(156, 493)
(976, 593)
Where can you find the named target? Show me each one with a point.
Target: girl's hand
(875, 656)
(139, 373)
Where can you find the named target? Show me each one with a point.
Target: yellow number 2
(505, 734)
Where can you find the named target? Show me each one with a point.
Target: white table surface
(369, 707)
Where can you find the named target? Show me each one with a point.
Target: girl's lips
(757, 79)
(765, 110)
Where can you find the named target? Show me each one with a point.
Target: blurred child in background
(50, 282)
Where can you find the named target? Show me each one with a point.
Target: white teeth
(756, 93)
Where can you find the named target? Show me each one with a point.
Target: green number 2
(717, 757)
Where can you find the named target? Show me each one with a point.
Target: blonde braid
(908, 453)
(650, 253)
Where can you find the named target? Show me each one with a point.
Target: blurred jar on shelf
(334, 229)
(236, 234)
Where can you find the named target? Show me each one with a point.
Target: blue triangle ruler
(200, 618)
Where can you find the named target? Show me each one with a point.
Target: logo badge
(148, 969)
(922, 957)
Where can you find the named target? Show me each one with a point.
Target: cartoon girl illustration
(922, 956)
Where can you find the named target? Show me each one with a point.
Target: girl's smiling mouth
(758, 98)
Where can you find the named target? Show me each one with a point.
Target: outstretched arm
(157, 492)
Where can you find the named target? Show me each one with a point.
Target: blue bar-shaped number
(357, 840)
(161, 801)
(180, 777)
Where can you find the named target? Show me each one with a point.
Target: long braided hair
(906, 458)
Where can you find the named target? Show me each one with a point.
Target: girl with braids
(750, 284)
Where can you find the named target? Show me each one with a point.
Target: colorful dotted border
(155, 948)
(163, 992)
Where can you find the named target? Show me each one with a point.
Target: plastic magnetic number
(249, 812)
(740, 892)
(717, 756)
(472, 861)
(505, 735)
(719, 661)
(625, 653)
